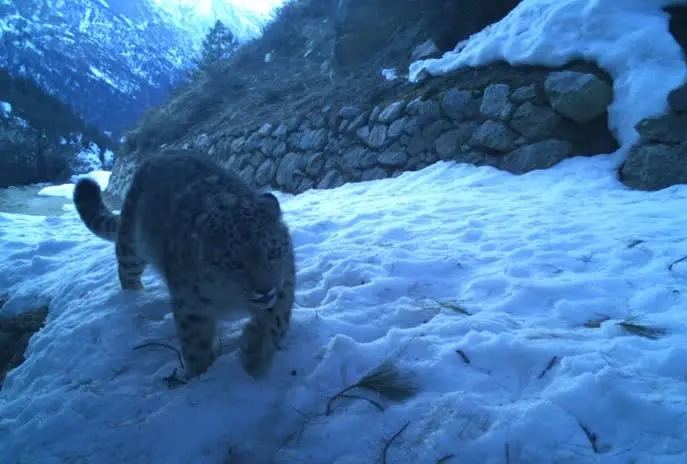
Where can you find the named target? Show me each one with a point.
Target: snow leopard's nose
(266, 299)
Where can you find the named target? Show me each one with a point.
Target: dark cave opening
(459, 19)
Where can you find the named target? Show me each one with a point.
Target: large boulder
(659, 158)
(655, 166)
(677, 99)
(678, 24)
(15, 332)
(581, 97)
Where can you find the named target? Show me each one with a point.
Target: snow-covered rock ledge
(632, 41)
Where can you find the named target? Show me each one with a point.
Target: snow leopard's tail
(88, 200)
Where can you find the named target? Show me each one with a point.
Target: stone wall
(548, 116)
(659, 159)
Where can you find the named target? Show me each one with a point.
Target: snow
(87, 160)
(389, 74)
(109, 158)
(245, 18)
(86, 164)
(629, 39)
(102, 76)
(21, 122)
(383, 265)
(5, 108)
(67, 190)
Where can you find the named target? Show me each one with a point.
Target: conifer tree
(217, 46)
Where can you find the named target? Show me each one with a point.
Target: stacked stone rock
(659, 159)
(516, 129)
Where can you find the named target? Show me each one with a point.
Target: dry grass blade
(385, 380)
(174, 379)
(387, 445)
(453, 307)
(596, 323)
(677, 261)
(652, 333)
(388, 381)
(552, 362)
(378, 406)
(593, 439)
(163, 345)
(463, 356)
(634, 243)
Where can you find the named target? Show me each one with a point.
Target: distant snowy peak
(245, 20)
(122, 55)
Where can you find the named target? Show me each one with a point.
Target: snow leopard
(221, 247)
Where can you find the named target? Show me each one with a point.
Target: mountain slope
(110, 59)
(107, 59)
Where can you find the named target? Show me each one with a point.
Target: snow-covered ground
(67, 190)
(629, 39)
(490, 289)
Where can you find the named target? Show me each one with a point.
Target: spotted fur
(221, 247)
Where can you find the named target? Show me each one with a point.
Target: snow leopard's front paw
(257, 348)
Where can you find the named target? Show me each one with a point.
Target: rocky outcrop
(15, 332)
(518, 125)
(659, 159)
(578, 96)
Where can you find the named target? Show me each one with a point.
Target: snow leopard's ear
(270, 205)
